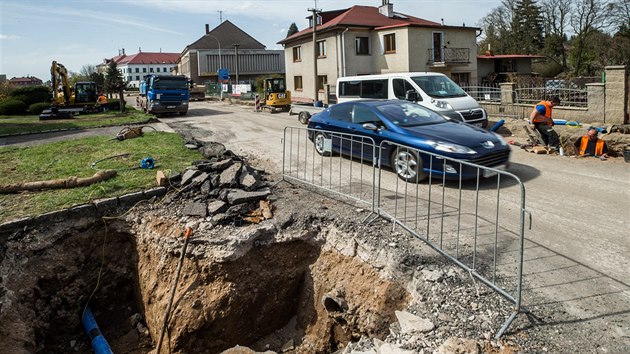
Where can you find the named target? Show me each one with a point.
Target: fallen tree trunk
(69, 182)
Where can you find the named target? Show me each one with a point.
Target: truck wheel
(303, 117)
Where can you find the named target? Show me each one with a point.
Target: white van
(432, 90)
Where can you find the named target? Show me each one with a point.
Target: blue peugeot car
(422, 141)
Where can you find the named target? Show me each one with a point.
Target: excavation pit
(259, 286)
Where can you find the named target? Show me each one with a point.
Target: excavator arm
(60, 84)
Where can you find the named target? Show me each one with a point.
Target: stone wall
(607, 103)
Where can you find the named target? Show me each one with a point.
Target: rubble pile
(224, 189)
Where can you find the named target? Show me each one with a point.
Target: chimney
(489, 51)
(386, 9)
(207, 28)
(123, 51)
(139, 50)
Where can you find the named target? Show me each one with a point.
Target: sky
(76, 33)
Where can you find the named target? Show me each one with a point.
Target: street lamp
(219, 81)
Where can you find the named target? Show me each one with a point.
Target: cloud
(8, 36)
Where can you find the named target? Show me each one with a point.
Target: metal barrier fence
(484, 93)
(477, 223)
(308, 157)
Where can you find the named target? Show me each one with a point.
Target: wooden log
(69, 182)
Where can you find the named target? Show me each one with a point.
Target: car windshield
(170, 83)
(409, 114)
(438, 86)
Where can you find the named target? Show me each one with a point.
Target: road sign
(223, 73)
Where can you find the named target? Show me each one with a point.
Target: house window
(462, 79)
(129, 78)
(321, 49)
(151, 70)
(362, 45)
(321, 81)
(390, 43)
(144, 70)
(164, 69)
(297, 83)
(297, 54)
(158, 69)
(138, 77)
(137, 70)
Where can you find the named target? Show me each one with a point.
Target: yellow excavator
(277, 97)
(68, 100)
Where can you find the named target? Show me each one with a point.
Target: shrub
(38, 108)
(12, 106)
(31, 94)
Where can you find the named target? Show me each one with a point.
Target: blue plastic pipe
(99, 343)
(497, 125)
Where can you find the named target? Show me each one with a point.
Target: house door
(438, 45)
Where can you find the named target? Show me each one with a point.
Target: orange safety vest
(599, 146)
(102, 99)
(548, 119)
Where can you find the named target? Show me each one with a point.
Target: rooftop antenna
(220, 16)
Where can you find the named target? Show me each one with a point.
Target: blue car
(341, 128)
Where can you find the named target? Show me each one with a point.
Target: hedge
(31, 94)
(12, 106)
(38, 108)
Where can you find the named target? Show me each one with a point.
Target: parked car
(409, 124)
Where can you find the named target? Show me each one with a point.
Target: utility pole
(236, 59)
(315, 11)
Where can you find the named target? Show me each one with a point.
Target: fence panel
(312, 156)
(469, 221)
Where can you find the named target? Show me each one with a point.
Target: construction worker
(102, 102)
(590, 145)
(541, 118)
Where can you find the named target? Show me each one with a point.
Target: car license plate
(478, 125)
(170, 106)
(490, 173)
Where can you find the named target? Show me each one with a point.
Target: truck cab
(163, 94)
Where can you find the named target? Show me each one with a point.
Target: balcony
(440, 57)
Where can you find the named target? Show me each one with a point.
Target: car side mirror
(370, 126)
(412, 95)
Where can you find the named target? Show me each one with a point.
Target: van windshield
(438, 86)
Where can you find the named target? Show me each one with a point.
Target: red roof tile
(364, 16)
(147, 58)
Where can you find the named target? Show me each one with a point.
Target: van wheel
(319, 143)
(303, 117)
(408, 165)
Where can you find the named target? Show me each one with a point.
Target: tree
(588, 17)
(496, 27)
(527, 29)
(114, 83)
(292, 30)
(556, 18)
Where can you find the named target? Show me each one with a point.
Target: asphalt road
(577, 250)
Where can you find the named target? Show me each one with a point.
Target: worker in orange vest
(102, 102)
(541, 118)
(591, 145)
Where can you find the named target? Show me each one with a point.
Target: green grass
(11, 125)
(74, 158)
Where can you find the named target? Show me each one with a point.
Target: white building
(136, 66)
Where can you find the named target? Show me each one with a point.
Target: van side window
(401, 86)
(374, 89)
(342, 112)
(350, 88)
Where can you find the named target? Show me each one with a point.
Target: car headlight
(441, 104)
(452, 148)
(500, 138)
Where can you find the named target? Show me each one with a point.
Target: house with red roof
(25, 81)
(496, 68)
(364, 40)
(135, 67)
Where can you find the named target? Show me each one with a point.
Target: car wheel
(303, 117)
(408, 165)
(319, 143)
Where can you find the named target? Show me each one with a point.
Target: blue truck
(163, 94)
